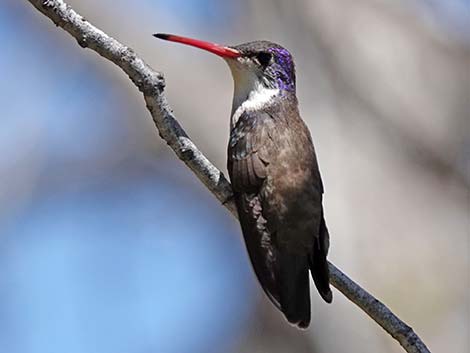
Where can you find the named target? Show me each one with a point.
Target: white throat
(249, 92)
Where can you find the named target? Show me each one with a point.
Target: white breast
(257, 99)
(249, 92)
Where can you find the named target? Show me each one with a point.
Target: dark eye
(264, 58)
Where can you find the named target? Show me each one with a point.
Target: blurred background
(109, 244)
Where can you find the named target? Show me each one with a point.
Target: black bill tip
(161, 36)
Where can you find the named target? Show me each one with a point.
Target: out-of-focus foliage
(107, 243)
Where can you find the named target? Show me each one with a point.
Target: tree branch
(151, 84)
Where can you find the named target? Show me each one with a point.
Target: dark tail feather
(319, 264)
(294, 289)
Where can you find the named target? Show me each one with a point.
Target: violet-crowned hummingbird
(275, 176)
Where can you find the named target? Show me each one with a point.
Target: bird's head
(261, 70)
(266, 62)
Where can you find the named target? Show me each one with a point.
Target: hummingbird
(275, 176)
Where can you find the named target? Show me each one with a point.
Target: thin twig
(151, 84)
